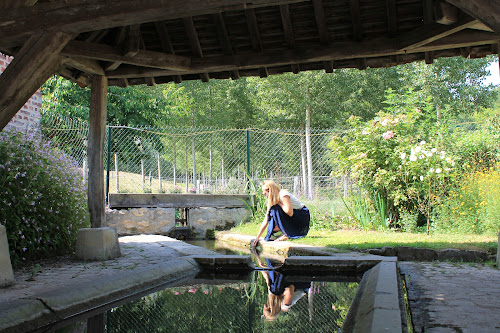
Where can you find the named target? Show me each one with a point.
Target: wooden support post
(33, 64)
(97, 130)
(159, 175)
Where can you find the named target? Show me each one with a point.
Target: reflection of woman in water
(282, 295)
(285, 213)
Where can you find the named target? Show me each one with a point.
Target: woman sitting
(285, 213)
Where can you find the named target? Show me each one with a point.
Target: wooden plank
(356, 19)
(35, 62)
(112, 54)
(486, 11)
(253, 30)
(433, 32)
(95, 150)
(78, 16)
(392, 17)
(167, 200)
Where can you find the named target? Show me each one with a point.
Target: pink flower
(388, 135)
(192, 290)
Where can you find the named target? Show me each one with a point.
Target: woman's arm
(286, 205)
(263, 227)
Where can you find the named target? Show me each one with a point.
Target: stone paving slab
(453, 298)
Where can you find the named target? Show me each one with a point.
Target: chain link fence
(200, 160)
(208, 160)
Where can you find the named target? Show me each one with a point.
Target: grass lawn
(357, 239)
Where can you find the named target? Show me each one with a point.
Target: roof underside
(153, 42)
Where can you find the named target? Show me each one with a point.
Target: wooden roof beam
(78, 16)
(195, 43)
(432, 32)
(253, 30)
(339, 51)
(486, 11)
(35, 62)
(392, 17)
(142, 57)
(85, 65)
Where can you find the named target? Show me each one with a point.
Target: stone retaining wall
(161, 221)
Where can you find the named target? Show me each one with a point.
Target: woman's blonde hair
(274, 192)
(273, 307)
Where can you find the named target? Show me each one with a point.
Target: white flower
(421, 178)
(421, 156)
(422, 143)
(413, 158)
(365, 132)
(438, 170)
(431, 170)
(403, 156)
(428, 154)
(434, 150)
(418, 149)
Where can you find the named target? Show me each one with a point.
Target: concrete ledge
(24, 315)
(405, 253)
(51, 307)
(340, 263)
(6, 273)
(97, 244)
(224, 262)
(375, 307)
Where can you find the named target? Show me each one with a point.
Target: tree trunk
(303, 164)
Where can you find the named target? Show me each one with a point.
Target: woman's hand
(255, 242)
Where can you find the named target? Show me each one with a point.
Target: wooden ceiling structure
(132, 42)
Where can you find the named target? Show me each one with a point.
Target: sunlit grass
(357, 239)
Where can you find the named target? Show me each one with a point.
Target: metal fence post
(248, 158)
(108, 163)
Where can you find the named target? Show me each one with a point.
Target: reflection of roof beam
(338, 51)
(88, 15)
(432, 32)
(486, 11)
(142, 58)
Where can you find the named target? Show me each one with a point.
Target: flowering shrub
(390, 159)
(43, 199)
(473, 206)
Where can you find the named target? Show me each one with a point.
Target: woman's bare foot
(281, 238)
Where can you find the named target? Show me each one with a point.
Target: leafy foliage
(44, 201)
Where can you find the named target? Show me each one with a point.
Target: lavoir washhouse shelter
(131, 42)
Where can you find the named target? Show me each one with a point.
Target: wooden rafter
(88, 15)
(85, 65)
(253, 30)
(165, 43)
(319, 13)
(486, 11)
(195, 43)
(223, 37)
(288, 32)
(433, 32)
(141, 58)
(392, 17)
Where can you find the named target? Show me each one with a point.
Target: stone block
(97, 244)
(137, 221)
(6, 273)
